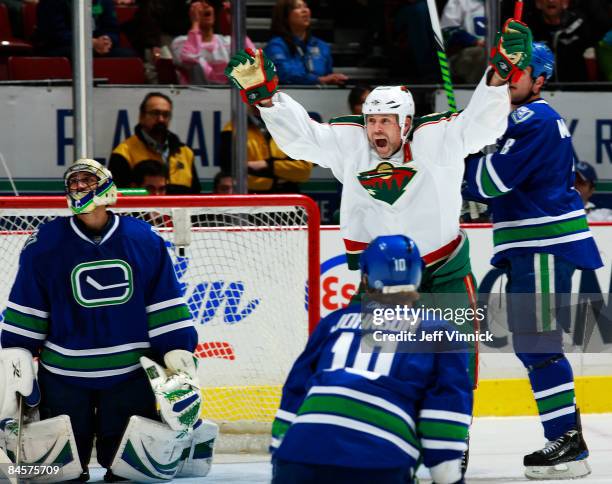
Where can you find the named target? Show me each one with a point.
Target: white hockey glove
(176, 389)
(17, 378)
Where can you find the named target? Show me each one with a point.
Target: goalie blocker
(149, 451)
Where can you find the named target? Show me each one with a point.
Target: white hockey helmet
(391, 100)
(104, 194)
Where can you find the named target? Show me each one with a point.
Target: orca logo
(102, 283)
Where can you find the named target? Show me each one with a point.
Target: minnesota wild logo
(386, 182)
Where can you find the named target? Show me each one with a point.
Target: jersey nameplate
(102, 283)
(521, 114)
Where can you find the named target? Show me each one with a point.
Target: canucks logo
(386, 182)
(521, 114)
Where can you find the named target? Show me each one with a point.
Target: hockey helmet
(542, 61)
(392, 264)
(105, 192)
(390, 100)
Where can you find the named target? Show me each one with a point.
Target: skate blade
(567, 470)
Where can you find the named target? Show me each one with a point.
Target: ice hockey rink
(497, 446)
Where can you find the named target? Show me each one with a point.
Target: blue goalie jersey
(529, 186)
(380, 410)
(91, 310)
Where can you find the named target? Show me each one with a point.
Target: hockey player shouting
(540, 236)
(95, 298)
(400, 174)
(353, 412)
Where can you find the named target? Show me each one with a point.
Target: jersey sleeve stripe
(96, 363)
(489, 188)
(284, 415)
(279, 428)
(171, 327)
(543, 243)
(442, 430)
(27, 310)
(23, 332)
(443, 445)
(446, 415)
(97, 351)
(481, 190)
(165, 304)
(494, 176)
(168, 316)
(24, 321)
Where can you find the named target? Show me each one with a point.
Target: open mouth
(380, 143)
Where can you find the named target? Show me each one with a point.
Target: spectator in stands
(463, 24)
(151, 175)
(567, 34)
(54, 30)
(16, 18)
(269, 169)
(586, 179)
(202, 54)
(300, 57)
(357, 97)
(223, 184)
(154, 141)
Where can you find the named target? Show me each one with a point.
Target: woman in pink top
(202, 55)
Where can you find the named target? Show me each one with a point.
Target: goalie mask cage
(249, 269)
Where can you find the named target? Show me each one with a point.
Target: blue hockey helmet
(542, 61)
(392, 264)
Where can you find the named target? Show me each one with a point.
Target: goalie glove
(512, 52)
(254, 74)
(176, 389)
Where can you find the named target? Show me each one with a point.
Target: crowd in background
(391, 35)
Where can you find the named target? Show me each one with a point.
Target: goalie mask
(391, 100)
(88, 185)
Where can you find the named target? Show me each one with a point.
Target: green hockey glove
(254, 74)
(512, 52)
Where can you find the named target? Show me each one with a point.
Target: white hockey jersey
(467, 15)
(417, 191)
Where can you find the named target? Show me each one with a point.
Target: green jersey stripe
(27, 322)
(92, 363)
(501, 236)
(167, 316)
(346, 407)
(279, 428)
(488, 186)
(556, 401)
(442, 430)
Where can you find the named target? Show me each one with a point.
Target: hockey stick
(441, 53)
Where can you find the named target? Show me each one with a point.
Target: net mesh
(244, 274)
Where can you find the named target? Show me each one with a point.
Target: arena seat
(119, 70)
(9, 45)
(38, 68)
(28, 12)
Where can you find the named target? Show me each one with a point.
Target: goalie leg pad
(151, 451)
(48, 442)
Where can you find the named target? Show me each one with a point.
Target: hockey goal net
(249, 269)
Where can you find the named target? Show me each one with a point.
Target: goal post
(249, 270)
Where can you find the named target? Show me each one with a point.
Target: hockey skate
(565, 458)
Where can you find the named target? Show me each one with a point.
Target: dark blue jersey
(344, 407)
(90, 310)
(529, 186)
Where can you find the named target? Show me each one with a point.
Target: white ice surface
(497, 446)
